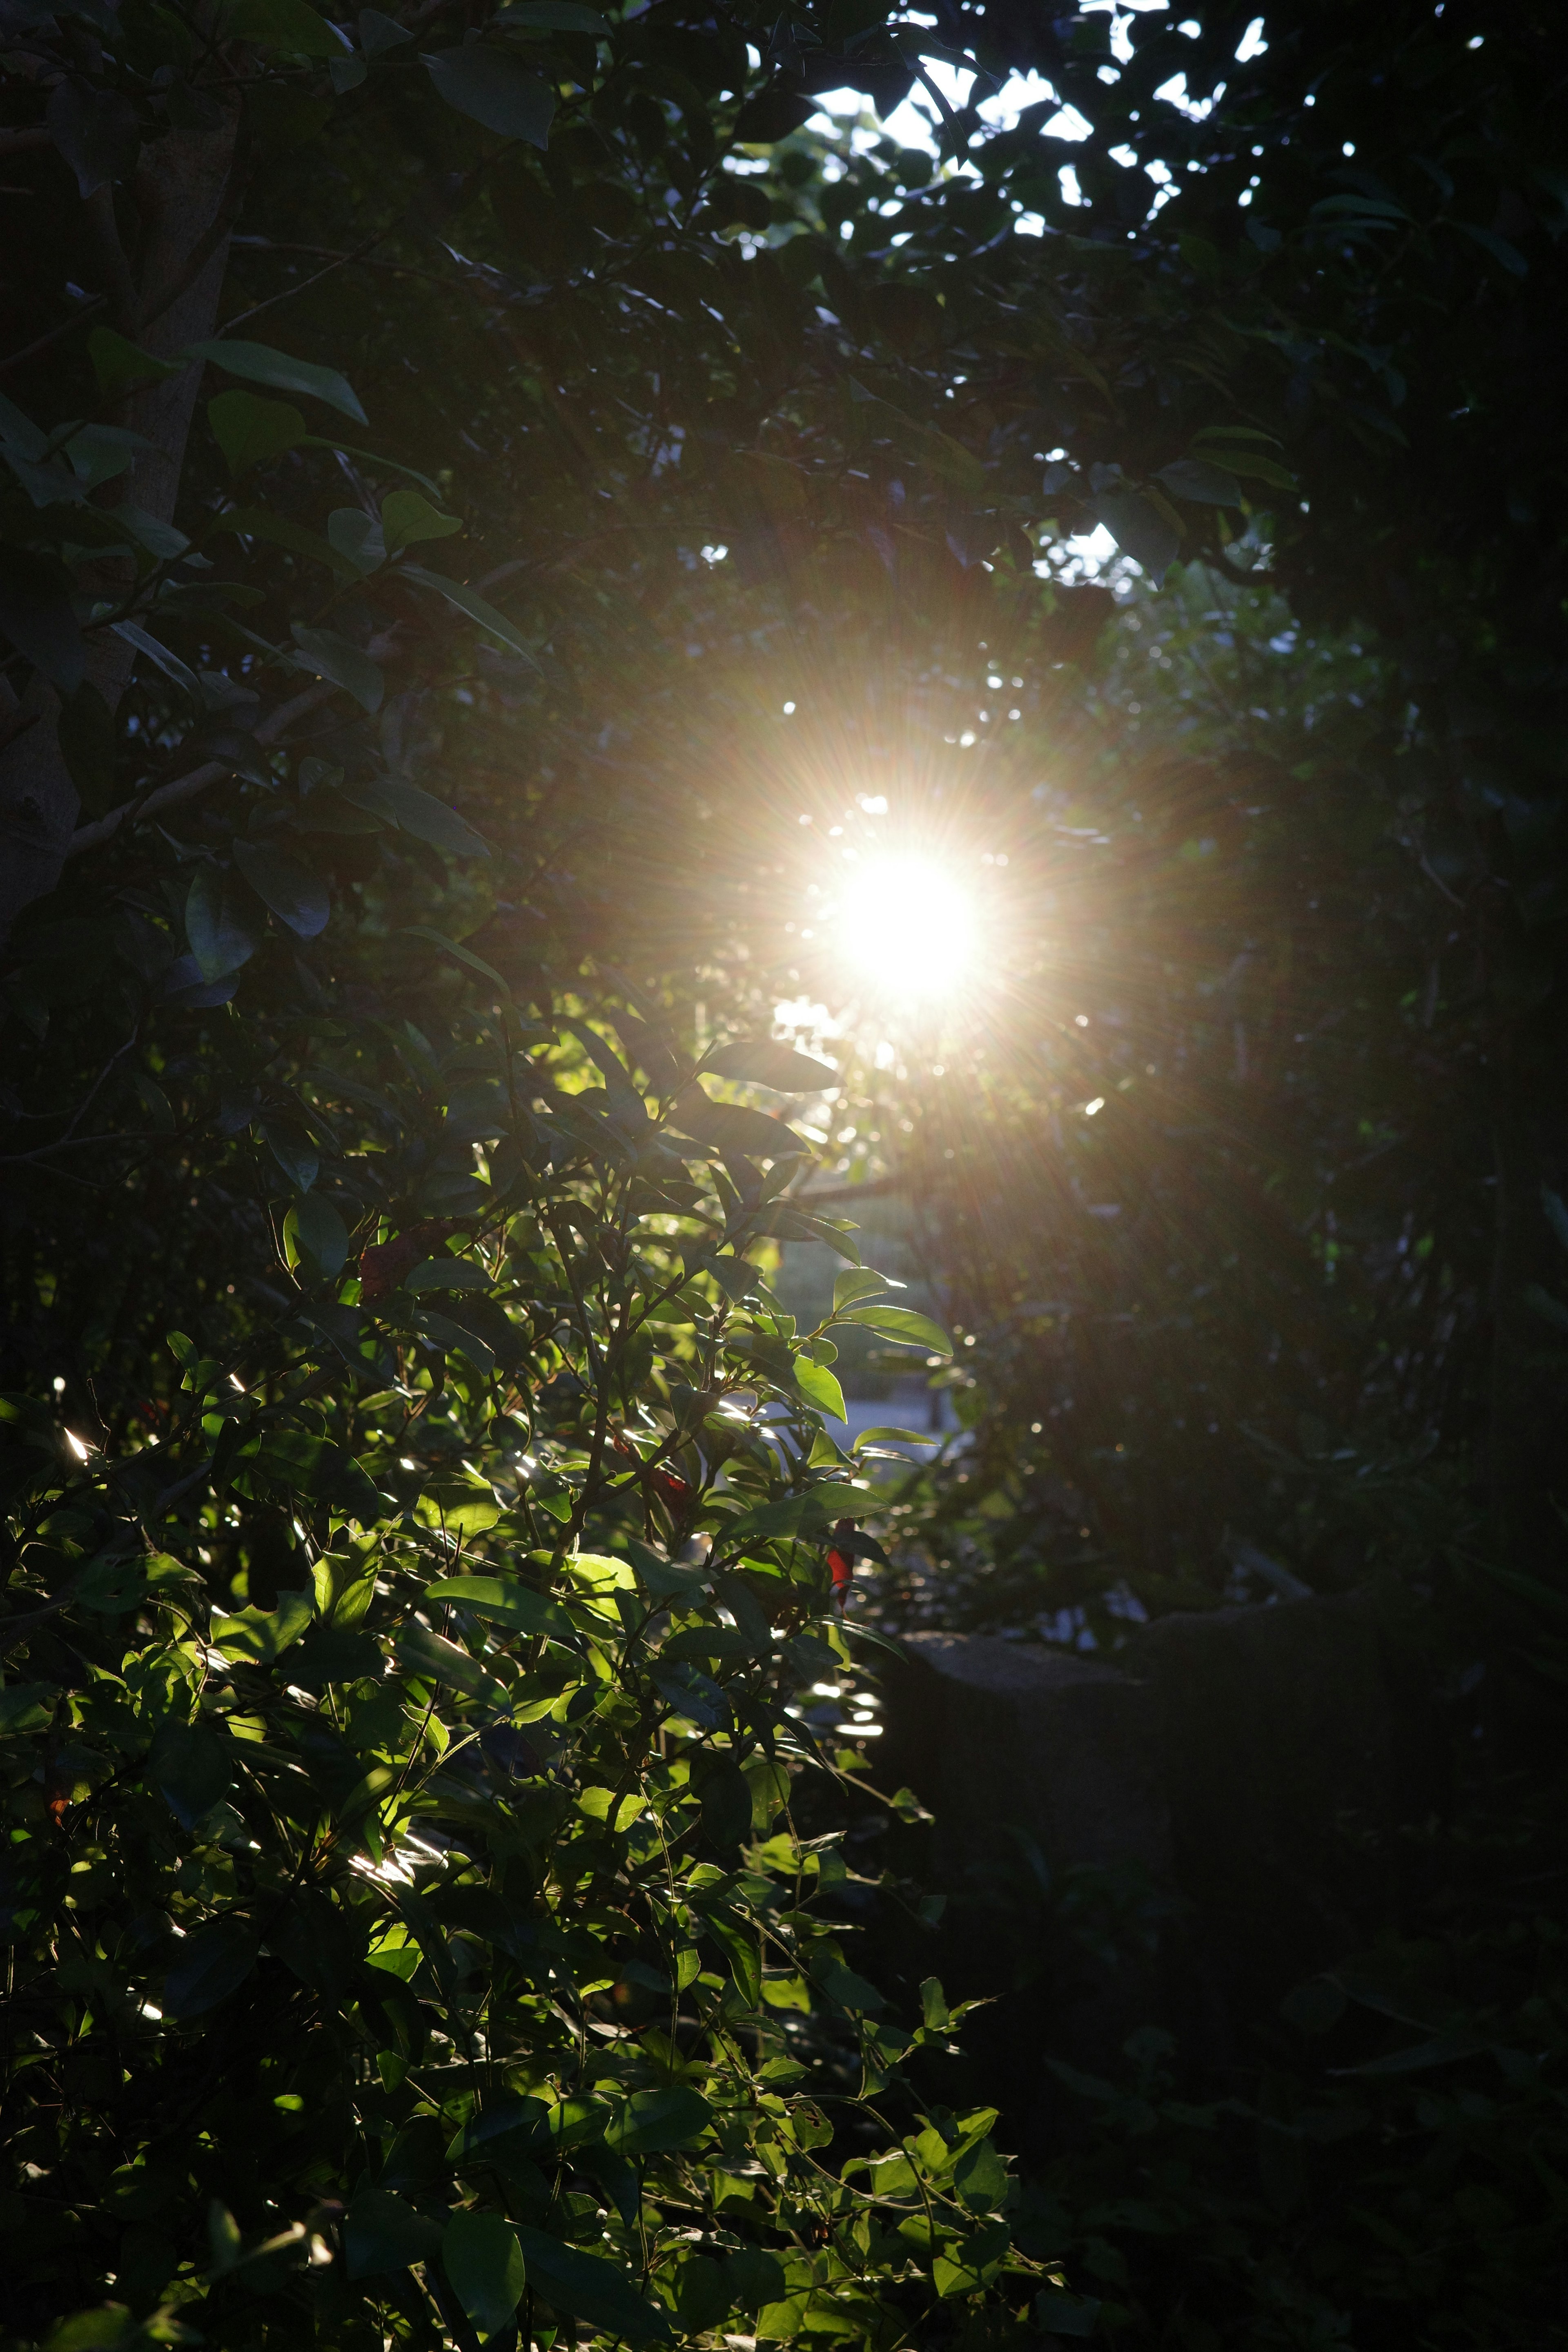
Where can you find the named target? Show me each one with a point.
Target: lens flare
(909, 925)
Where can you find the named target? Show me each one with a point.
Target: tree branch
(121, 286)
(211, 772)
(206, 244)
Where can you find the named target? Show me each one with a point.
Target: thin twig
(186, 787)
(329, 253)
(305, 283)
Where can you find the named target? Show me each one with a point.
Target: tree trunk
(184, 192)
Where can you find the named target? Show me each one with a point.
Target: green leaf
(503, 1601)
(506, 2130)
(980, 2177)
(482, 2257)
(293, 1150)
(769, 1063)
(1254, 467)
(1540, 1302)
(427, 819)
(1139, 528)
(356, 537)
(1556, 1210)
(1060, 2314)
(381, 2232)
(296, 895)
(315, 1227)
(331, 657)
(966, 2267)
(794, 1514)
(254, 522)
(900, 1323)
(173, 668)
(858, 1282)
(495, 88)
(617, 1813)
(653, 2121)
(446, 1273)
(378, 33)
(468, 600)
(208, 1967)
(731, 1127)
(406, 517)
(259, 1635)
(843, 1986)
(556, 16)
(820, 1387)
(260, 363)
(117, 362)
(1197, 480)
(27, 1707)
(433, 1659)
(583, 2286)
(1512, 260)
(218, 924)
(251, 431)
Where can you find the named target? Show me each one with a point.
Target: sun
(909, 927)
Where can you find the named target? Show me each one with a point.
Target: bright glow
(910, 926)
(1089, 1109)
(77, 1447)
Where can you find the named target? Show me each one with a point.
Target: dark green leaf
(407, 517)
(1198, 479)
(1139, 530)
(653, 2121)
(260, 1635)
(209, 1966)
(731, 1127)
(495, 88)
(426, 818)
(258, 363)
(769, 1063)
(251, 431)
(585, 2287)
(900, 1323)
(331, 657)
(296, 895)
(503, 1601)
(482, 2259)
(219, 924)
(468, 600)
(437, 1660)
(556, 16)
(381, 2232)
(117, 362)
(315, 1229)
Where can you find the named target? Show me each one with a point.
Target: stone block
(1217, 1806)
